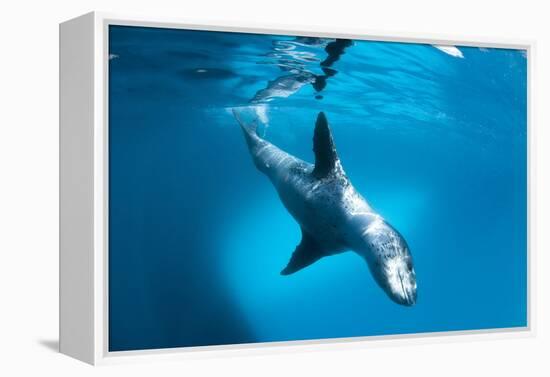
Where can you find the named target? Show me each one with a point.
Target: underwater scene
(267, 188)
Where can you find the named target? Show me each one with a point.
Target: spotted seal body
(333, 216)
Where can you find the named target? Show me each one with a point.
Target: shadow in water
(51, 344)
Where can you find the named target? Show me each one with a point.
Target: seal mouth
(400, 282)
(407, 297)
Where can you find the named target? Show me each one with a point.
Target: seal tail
(249, 130)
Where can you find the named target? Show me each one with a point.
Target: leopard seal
(332, 214)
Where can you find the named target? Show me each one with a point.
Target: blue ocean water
(434, 138)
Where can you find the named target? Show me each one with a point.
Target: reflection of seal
(283, 86)
(333, 216)
(297, 74)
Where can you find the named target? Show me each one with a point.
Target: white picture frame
(84, 191)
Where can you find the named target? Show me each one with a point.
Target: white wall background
(29, 184)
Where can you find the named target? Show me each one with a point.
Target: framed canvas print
(234, 189)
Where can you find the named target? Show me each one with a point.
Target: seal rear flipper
(306, 253)
(250, 132)
(326, 157)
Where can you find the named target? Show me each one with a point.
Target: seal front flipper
(326, 158)
(306, 253)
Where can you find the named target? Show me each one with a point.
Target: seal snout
(407, 296)
(401, 283)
